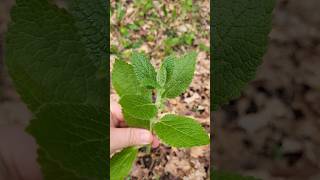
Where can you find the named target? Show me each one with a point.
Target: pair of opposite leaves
(239, 31)
(133, 82)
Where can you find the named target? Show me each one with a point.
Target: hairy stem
(158, 104)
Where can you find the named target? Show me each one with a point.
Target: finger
(116, 113)
(18, 150)
(125, 137)
(155, 142)
(122, 124)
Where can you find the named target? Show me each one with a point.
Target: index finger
(116, 114)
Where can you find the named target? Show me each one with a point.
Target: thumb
(125, 137)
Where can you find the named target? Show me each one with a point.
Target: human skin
(121, 136)
(18, 154)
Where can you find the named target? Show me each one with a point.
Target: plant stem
(158, 105)
(148, 149)
(158, 99)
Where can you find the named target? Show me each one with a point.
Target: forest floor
(272, 131)
(159, 29)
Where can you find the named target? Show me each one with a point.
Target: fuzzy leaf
(182, 75)
(162, 76)
(46, 60)
(92, 22)
(144, 70)
(168, 64)
(53, 169)
(179, 131)
(75, 137)
(166, 69)
(136, 122)
(125, 81)
(54, 72)
(138, 107)
(239, 39)
(122, 162)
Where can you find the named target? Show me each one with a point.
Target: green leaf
(120, 12)
(182, 75)
(162, 76)
(73, 136)
(53, 170)
(91, 19)
(138, 107)
(46, 59)
(53, 68)
(125, 81)
(144, 70)
(179, 131)
(136, 122)
(229, 176)
(168, 65)
(239, 34)
(122, 162)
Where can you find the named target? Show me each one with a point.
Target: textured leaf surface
(182, 75)
(46, 60)
(54, 170)
(138, 107)
(92, 22)
(239, 39)
(162, 76)
(125, 81)
(54, 72)
(218, 175)
(136, 122)
(168, 65)
(122, 162)
(144, 70)
(179, 131)
(75, 137)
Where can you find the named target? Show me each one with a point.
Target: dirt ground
(272, 131)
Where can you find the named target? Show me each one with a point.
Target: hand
(18, 154)
(121, 137)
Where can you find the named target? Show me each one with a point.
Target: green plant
(134, 84)
(239, 36)
(58, 61)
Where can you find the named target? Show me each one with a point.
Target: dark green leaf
(92, 24)
(239, 37)
(74, 137)
(53, 68)
(47, 60)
